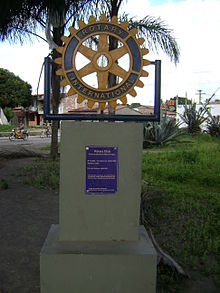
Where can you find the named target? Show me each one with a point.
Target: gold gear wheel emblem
(101, 61)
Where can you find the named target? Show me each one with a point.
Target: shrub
(194, 118)
(8, 113)
(213, 124)
(159, 133)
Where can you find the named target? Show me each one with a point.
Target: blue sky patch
(160, 2)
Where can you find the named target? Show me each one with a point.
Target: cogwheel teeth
(100, 32)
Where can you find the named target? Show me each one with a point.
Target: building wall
(3, 119)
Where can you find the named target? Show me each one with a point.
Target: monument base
(95, 266)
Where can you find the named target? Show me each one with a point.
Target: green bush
(160, 133)
(8, 113)
(194, 118)
(6, 128)
(213, 125)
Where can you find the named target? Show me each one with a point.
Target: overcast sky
(196, 27)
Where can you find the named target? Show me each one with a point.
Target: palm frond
(21, 19)
(157, 34)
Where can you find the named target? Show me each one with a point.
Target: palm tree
(154, 30)
(23, 19)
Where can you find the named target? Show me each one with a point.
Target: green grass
(6, 128)
(186, 218)
(44, 173)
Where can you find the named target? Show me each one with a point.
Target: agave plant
(213, 124)
(194, 118)
(160, 133)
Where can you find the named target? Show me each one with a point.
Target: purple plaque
(101, 169)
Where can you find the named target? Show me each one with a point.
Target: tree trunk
(57, 33)
(113, 44)
(55, 107)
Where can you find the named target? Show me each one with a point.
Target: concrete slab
(93, 267)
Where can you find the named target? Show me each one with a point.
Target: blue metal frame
(101, 117)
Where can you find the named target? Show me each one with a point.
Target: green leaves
(213, 124)
(13, 90)
(193, 118)
(157, 34)
(159, 133)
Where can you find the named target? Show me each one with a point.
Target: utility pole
(200, 93)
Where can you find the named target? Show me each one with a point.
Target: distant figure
(46, 132)
(47, 128)
(21, 127)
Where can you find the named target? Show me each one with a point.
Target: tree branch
(31, 33)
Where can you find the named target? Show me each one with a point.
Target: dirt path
(26, 214)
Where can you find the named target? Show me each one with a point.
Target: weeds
(43, 173)
(6, 128)
(189, 225)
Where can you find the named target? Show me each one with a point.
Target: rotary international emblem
(102, 61)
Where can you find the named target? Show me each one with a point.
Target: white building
(3, 119)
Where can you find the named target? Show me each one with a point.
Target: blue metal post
(47, 81)
(157, 90)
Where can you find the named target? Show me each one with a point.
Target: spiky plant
(213, 124)
(194, 118)
(160, 133)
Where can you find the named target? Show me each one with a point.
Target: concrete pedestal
(97, 267)
(85, 217)
(98, 246)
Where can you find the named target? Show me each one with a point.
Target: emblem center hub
(102, 61)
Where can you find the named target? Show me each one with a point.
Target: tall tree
(22, 19)
(13, 90)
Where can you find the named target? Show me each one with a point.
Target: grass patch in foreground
(186, 218)
(43, 173)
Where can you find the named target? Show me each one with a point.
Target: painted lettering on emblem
(74, 81)
(98, 27)
(113, 28)
(102, 96)
(90, 93)
(84, 91)
(96, 95)
(91, 28)
(123, 89)
(84, 32)
(127, 84)
(106, 28)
